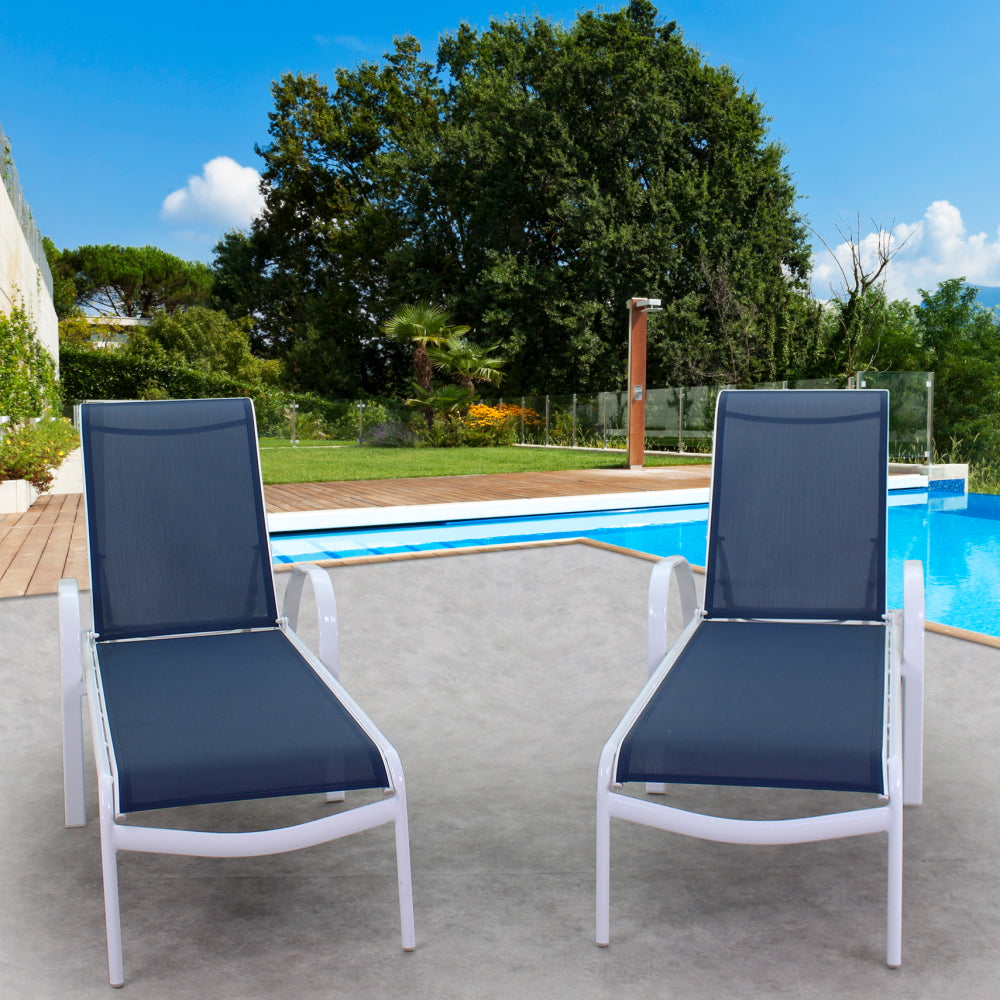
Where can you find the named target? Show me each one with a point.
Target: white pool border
(370, 517)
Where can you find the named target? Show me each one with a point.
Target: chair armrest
(664, 573)
(73, 690)
(326, 610)
(912, 671)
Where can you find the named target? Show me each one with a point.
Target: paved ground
(498, 677)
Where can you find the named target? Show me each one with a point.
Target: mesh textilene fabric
(218, 718)
(175, 515)
(797, 524)
(786, 705)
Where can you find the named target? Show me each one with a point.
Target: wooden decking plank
(49, 542)
(51, 563)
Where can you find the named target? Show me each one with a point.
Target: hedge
(89, 374)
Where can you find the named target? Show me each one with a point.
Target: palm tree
(450, 401)
(422, 324)
(466, 361)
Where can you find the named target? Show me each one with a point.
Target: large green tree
(133, 281)
(961, 341)
(206, 340)
(63, 285)
(532, 179)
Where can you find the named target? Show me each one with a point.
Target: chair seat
(767, 704)
(225, 717)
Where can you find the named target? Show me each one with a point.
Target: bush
(27, 372)
(90, 374)
(390, 435)
(110, 374)
(485, 426)
(316, 416)
(377, 413)
(34, 451)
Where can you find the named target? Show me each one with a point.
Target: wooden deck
(48, 542)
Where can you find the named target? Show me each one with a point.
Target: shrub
(34, 451)
(376, 414)
(390, 435)
(27, 372)
(110, 374)
(486, 425)
(309, 426)
(90, 374)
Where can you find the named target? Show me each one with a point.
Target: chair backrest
(797, 520)
(175, 518)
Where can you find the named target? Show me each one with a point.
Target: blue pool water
(957, 539)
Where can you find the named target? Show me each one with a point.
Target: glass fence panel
(532, 420)
(698, 417)
(911, 407)
(613, 408)
(562, 427)
(663, 408)
(683, 418)
(589, 426)
(804, 383)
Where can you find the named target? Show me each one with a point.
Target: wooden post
(637, 382)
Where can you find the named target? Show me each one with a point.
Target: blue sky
(135, 123)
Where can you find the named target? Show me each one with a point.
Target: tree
(63, 286)
(239, 286)
(135, 281)
(860, 314)
(422, 325)
(962, 344)
(533, 180)
(466, 361)
(206, 340)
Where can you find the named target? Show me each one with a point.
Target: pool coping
(501, 508)
(473, 510)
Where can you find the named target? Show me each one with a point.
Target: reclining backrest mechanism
(175, 518)
(797, 523)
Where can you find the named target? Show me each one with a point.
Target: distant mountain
(989, 295)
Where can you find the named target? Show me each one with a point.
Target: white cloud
(225, 194)
(929, 251)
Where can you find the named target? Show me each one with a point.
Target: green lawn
(310, 462)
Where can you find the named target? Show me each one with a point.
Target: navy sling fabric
(798, 514)
(227, 717)
(767, 704)
(178, 536)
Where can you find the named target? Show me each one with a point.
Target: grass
(984, 477)
(268, 442)
(312, 464)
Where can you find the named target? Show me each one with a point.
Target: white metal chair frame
(81, 678)
(902, 754)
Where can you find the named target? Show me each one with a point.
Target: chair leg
(73, 690)
(913, 739)
(405, 879)
(603, 935)
(74, 782)
(112, 908)
(894, 903)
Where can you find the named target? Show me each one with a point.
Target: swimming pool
(957, 538)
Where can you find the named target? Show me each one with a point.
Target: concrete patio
(498, 677)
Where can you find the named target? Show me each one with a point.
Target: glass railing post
(680, 419)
